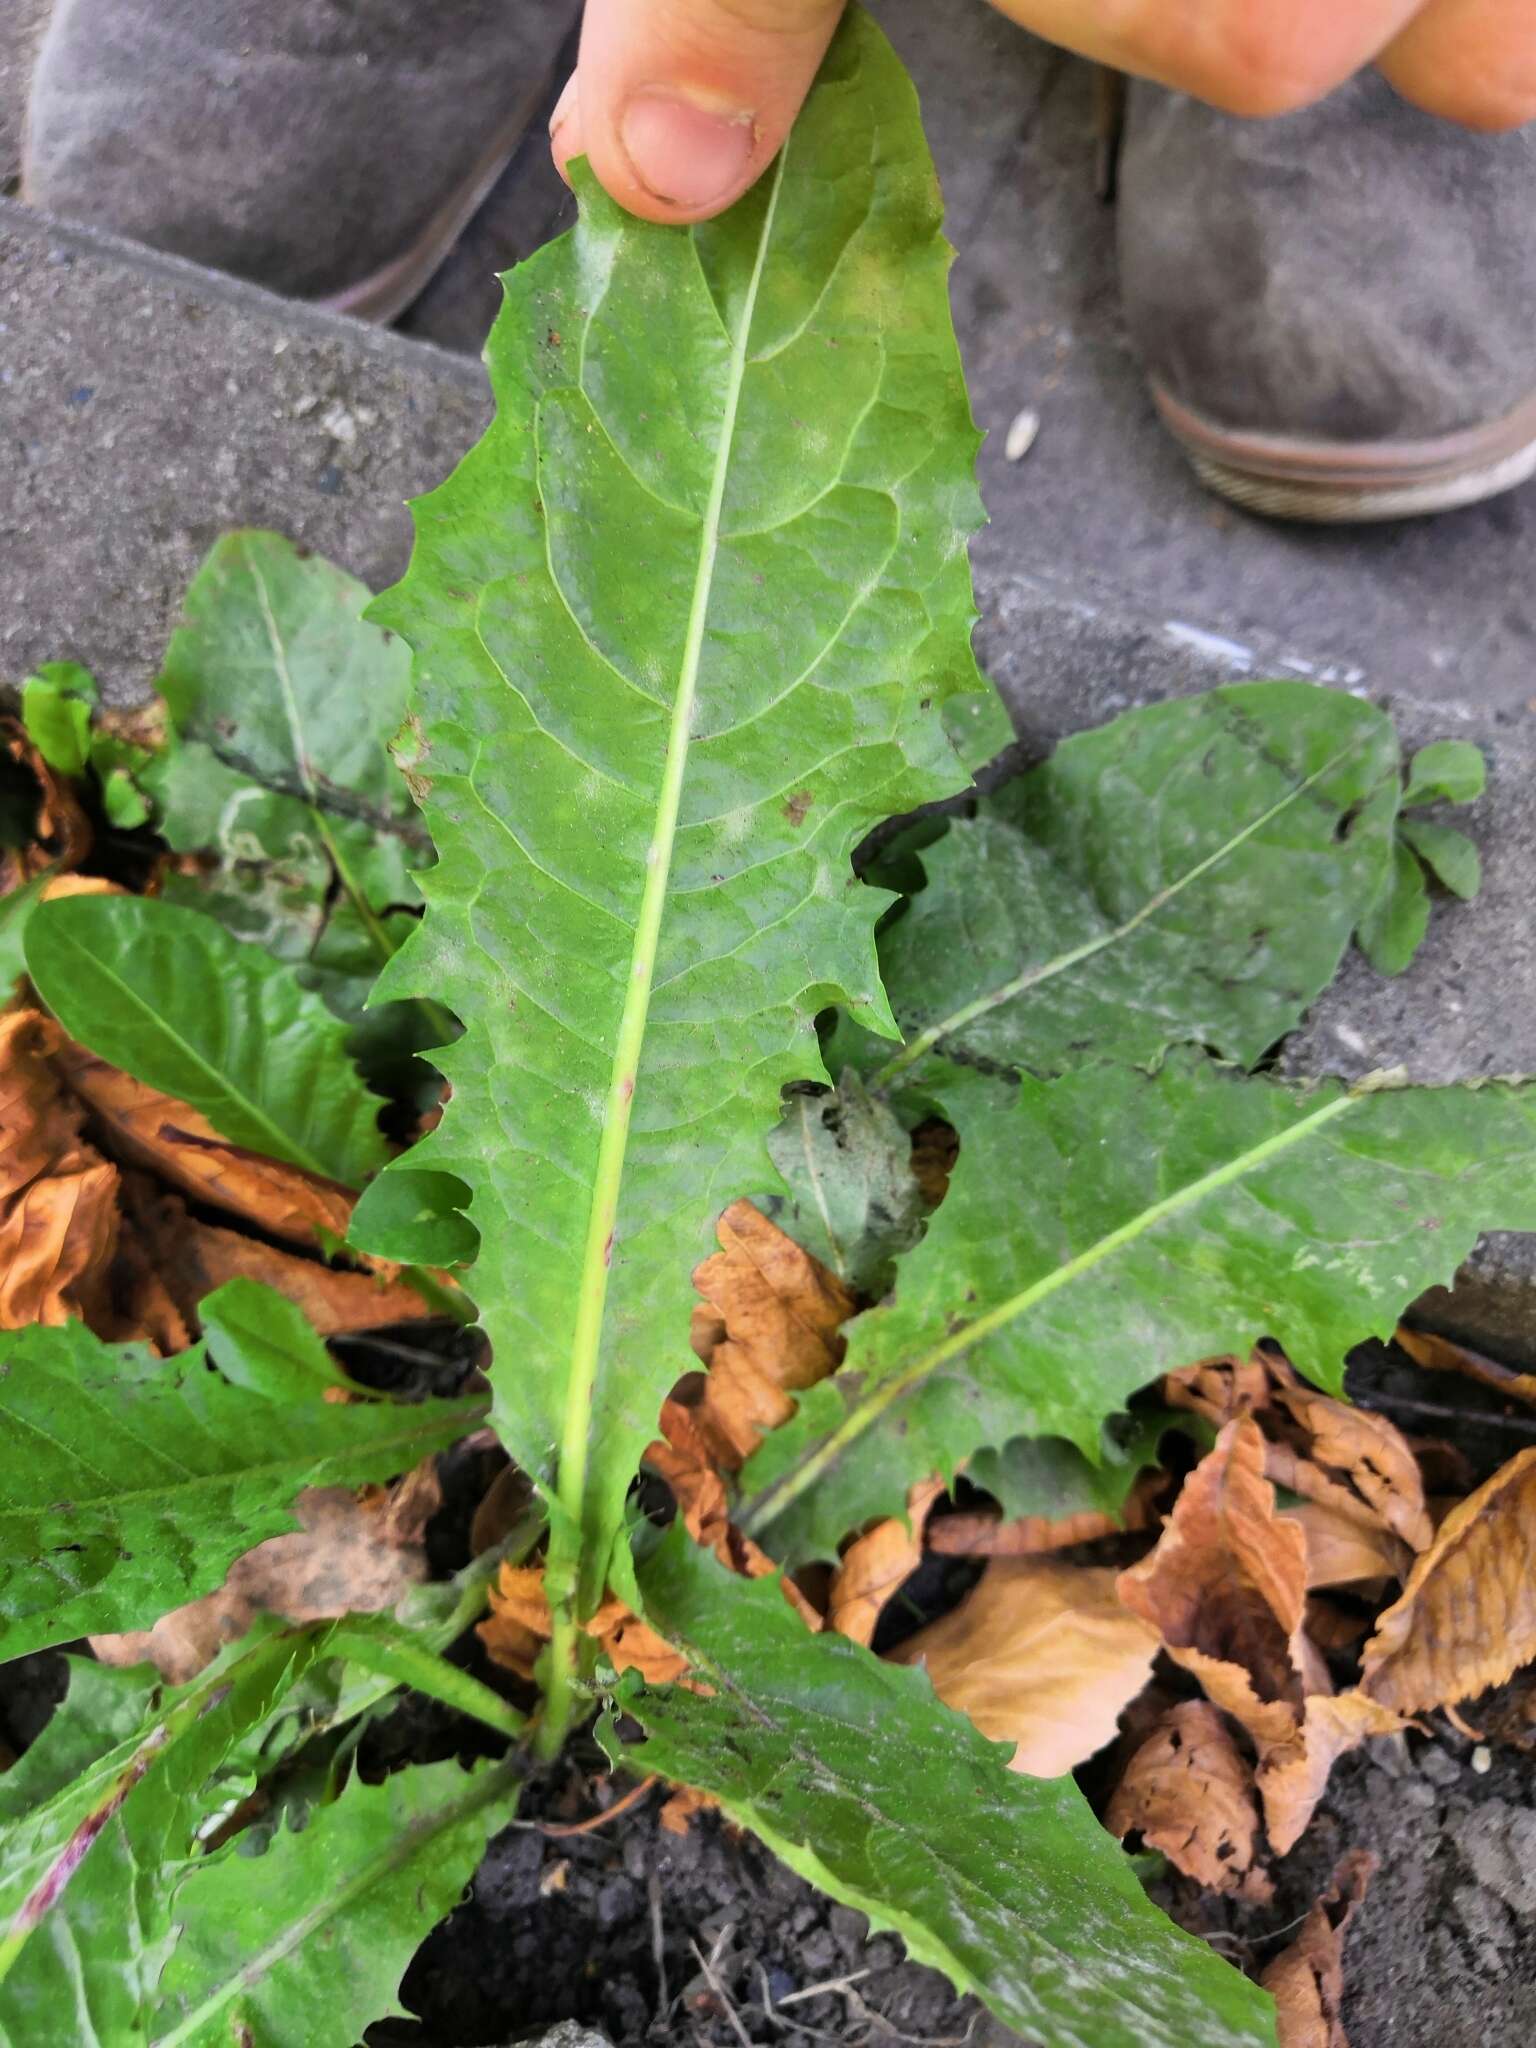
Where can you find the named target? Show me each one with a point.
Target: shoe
(1336, 309)
(326, 149)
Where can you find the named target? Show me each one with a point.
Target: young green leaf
(308, 1942)
(96, 1822)
(1450, 771)
(1191, 872)
(855, 1774)
(1049, 1477)
(134, 1481)
(1168, 1217)
(685, 624)
(1448, 854)
(1391, 930)
(854, 1201)
(56, 707)
(265, 1343)
(167, 995)
(415, 1216)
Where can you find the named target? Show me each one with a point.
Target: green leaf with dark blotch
(56, 707)
(97, 1821)
(1190, 873)
(854, 1201)
(308, 1942)
(167, 995)
(1049, 1477)
(1392, 929)
(1450, 771)
(855, 1774)
(1164, 1218)
(416, 1217)
(686, 622)
(132, 1482)
(265, 1343)
(1449, 855)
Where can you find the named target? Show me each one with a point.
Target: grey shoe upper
(302, 143)
(1357, 272)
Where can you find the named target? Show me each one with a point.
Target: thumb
(682, 104)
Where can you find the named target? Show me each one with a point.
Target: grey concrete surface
(146, 406)
(21, 24)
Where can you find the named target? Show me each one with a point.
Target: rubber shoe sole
(1334, 483)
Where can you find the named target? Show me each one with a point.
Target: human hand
(682, 104)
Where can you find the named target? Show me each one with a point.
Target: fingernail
(683, 152)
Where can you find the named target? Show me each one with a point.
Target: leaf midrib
(770, 1504)
(283, 1147)
(1047, 970)
(587, 1333)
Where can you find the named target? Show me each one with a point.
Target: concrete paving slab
(146, 406)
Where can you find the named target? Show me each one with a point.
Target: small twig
(658, 1947)
(878, 2019)
(565, 1829)
(816, 1990)
(719, 1992)
(775, 2017)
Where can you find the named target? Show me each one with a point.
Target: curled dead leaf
(355, 1554)
(61, 833)
(677, 1812)
(518, 1626)
(59, 1221)
(169, 1139)
(1306, 1980)
(1039, 1654)
(1467, 1616)
(770, 1327)
(1341, 1551)
(1188, 1791)
(192, 1258)
(1439, 1354)
(877, 1563)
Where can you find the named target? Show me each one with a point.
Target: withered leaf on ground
(1467, 1616)
(159, 1135)
(1306, 1980)
(355, 1554)
(59, 1221)
(1188, 1792)
(768, 1327)
(518, 1627)
(192, 1258)
(1227, 1587)
(1439, 1354)
(1342, 1551)
(875, 1565)
(1040, 1654)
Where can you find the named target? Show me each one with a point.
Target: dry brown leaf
(355, 1554)
(1226, 1583)
(1039, 1654)
(162, 1136)
(1439, 1354)
(1333, 1627)
(877, 1563)
(1340, 1552)
(1188, 1792)
(518, 1627)
(1343, 1457)
(771, 1325)
(192, 1258)
(59, 1221)
(1467, 1617)
(1306, 1980)
(61, 834)
(676, 1814)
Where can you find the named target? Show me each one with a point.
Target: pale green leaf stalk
(685, 625)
